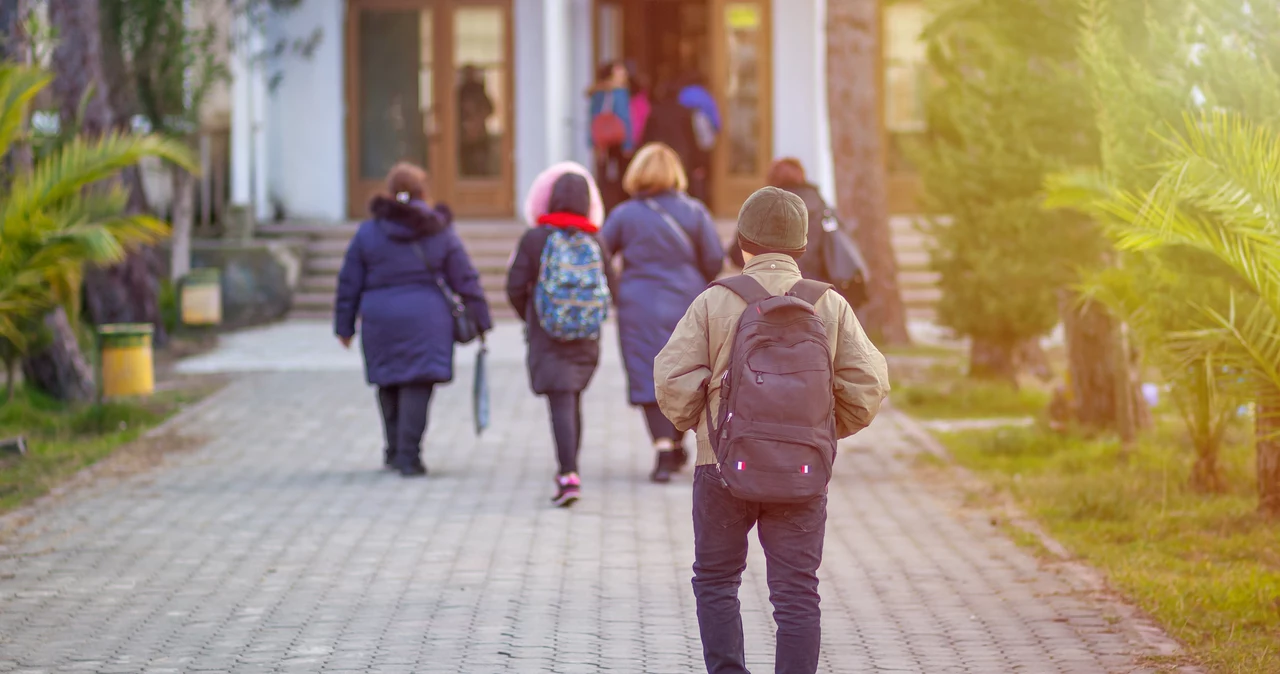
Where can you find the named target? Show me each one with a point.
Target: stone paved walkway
(278, 546)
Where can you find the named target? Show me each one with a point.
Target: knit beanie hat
(773, 221)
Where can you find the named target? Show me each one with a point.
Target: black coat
(554, 366)
(811, 262)
(672, 123)
(406, 320)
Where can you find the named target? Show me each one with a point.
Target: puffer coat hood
(538, 202)
(412, 220)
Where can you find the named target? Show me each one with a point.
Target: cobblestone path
(279, 546)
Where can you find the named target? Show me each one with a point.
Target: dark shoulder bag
(465, 327)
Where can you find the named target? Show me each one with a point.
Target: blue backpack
(572, 297)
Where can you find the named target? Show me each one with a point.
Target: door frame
(727, 191)
(485, 197)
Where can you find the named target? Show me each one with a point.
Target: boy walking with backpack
(772, 370)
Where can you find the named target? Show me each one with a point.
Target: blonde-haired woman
(670, 252)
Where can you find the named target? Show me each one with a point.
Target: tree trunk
(128, 292)
(183, 214)
(857, 147)
(1099, 368)
(14, 45)
(993, 361)
(1032, 359)
(1267, 436)
(61, 369)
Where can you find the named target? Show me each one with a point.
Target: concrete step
(912, 259)
(308, 229)
(324, 283)
(921, 296)
(322, 265)
(327, 247)
(918, 279)
(313, 301)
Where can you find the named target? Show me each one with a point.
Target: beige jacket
(698, 353)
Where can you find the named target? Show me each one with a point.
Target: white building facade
(486, 93)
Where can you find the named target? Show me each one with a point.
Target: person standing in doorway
(670, 252)
(611, 138)
(558, 284)
(474, 109)
(390, 280)
(772, 370)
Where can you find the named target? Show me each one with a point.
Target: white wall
(307, 163)
(249, 128)
(801, 127)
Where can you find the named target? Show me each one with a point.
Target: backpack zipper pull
(759, 378)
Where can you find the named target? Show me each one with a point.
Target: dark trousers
(566, 426)
(404, 420)
(791, 535)
(659, 425)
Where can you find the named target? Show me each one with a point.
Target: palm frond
(81, 163)
(18, 86)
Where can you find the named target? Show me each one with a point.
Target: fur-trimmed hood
(539, 198)
(412, 220)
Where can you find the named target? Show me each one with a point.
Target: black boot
(663, 468)
(388, 458)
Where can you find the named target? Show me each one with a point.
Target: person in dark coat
(788, 173)
(558, 370)
(670, 252)
(405, 318)
(671, 123)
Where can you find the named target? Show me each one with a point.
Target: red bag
(607, 128)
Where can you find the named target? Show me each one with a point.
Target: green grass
(63, 440)
(959, 398)
(1205, 566)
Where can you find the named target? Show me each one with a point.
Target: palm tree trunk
(857, 145)
(1099, 368)
(61, 369)
(1267, 435)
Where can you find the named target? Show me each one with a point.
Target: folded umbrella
(480, 391)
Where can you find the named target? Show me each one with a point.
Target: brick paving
(278, 546)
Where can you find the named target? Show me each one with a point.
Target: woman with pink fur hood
(563, 198)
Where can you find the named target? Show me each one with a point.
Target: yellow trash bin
(127, 365)
(201, 298)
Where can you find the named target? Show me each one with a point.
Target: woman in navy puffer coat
(670, 252)
(406, 320)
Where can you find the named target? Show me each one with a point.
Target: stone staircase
(919, 284)
(490, 243)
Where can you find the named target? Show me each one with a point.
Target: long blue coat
(406, 321)
(661, 277)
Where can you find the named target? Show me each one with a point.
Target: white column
(544, 82)
(248, 122)
(801, 125)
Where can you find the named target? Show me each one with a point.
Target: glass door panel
(742, 77)
(479, 57)
(390, 95)
(479, 118)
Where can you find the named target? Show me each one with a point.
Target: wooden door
(742, 81)
(429, 82)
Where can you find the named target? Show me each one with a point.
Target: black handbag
(465, 327)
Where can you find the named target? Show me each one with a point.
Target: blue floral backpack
(572, 297)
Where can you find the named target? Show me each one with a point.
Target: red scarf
(569, 220)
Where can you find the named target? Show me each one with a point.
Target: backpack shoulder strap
(745, 287)
(809, 290)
